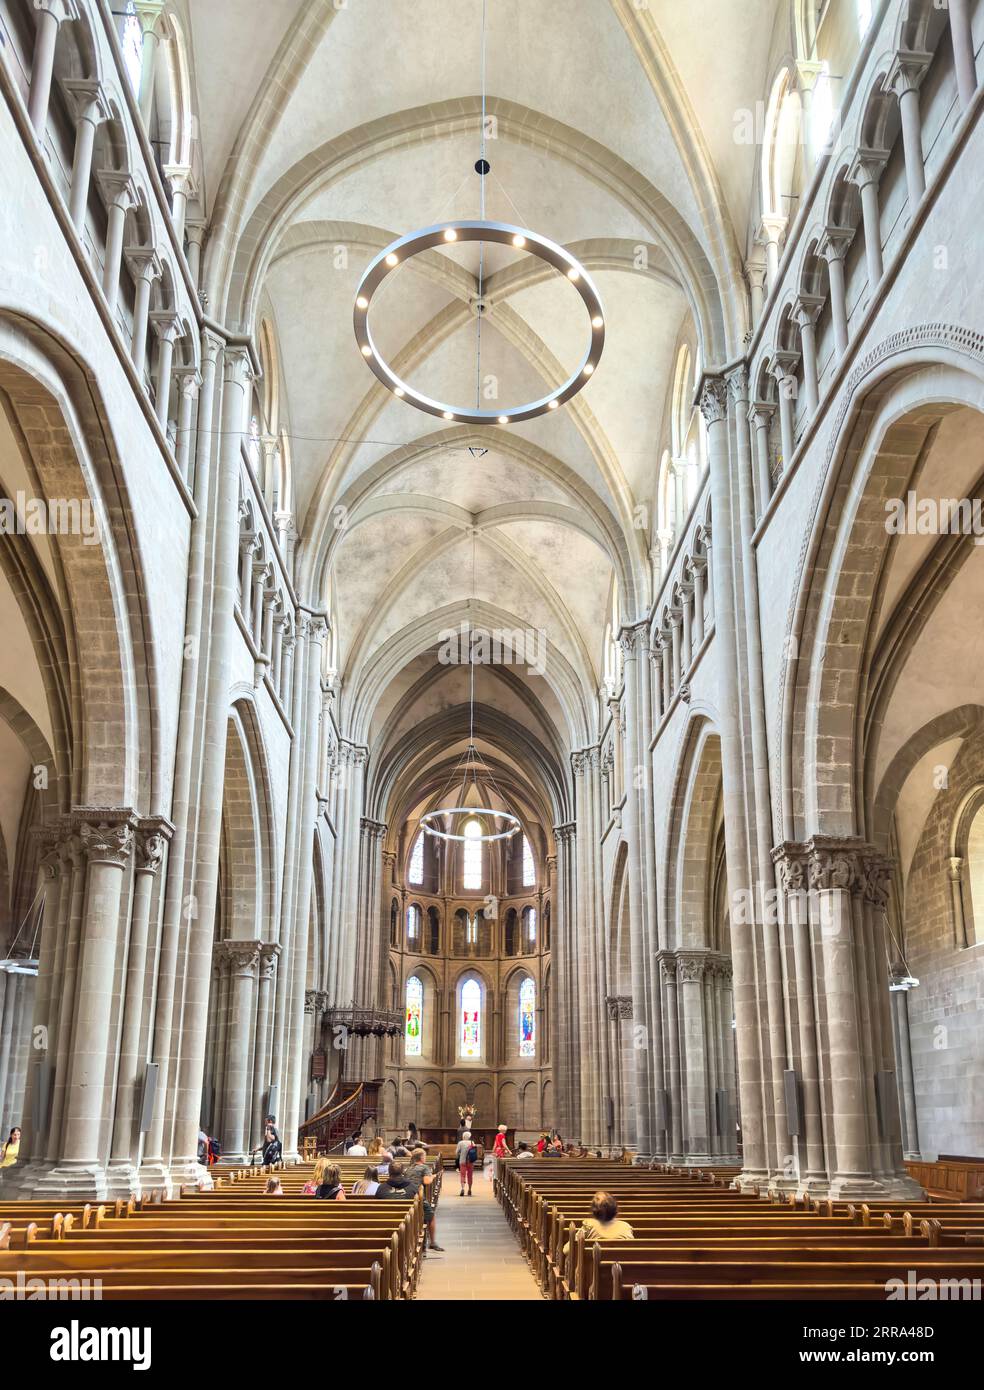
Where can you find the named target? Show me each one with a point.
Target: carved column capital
(241, 957)
(713, 401)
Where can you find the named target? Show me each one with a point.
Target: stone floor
(481, 1258)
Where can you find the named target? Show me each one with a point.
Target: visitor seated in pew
(524, 1151)
(317, 1177)
(603, 1223)
(330, 1188)
(383, 1162)
(355, 1147)
(555, 1149)
(274, 1188)
(541, 1143)
(396, 1184)
(368, 1184)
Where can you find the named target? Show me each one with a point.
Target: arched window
(253, 442)
(527, 1018)
(471, 869)
(131, 41)
(413, 925)
(529, 871)
(413, 1028)
(529, 926)
(822, 111)
(470, 1030)
(471, 929)
(416, 872)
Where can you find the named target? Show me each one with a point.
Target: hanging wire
(481, 246)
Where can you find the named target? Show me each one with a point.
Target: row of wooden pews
(697, 1237)
(233, 1242)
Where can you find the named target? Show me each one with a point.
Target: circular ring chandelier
(450, 233)
(507, 816)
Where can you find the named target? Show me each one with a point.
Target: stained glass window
(417, 860)
(527, 1019)
(415, 1015)
(471, 1019)
(529, 873)
(413, 924)
(471, 875)
(471, 930)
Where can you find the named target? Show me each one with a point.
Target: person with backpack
(465, 1157)
(272, 1148)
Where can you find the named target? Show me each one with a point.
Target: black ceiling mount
(482, 166)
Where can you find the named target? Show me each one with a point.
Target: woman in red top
(500, 1148)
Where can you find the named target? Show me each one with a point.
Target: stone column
(179, 177)
(189, 381)
(900, 985)
(772, 232)
(167, 326)
(760, 415)
(180, 907)
(51, 13)
(714, 405)
(149, 13)
(792, 875)
(195, 234)
(758, 794)
(756, 272)
(846, 878)
(833, 247)
(145, 267)
(67, 955)
(699, 570)
(89, 109)
(640, 838)
(563, 1044)
(964, 60)
(866, 171)
(312, 630)
(806, 311)
(107, 841)
(265, 994)
(783, 369)
(671, 1047)
(119, 194)
(904, 78)
(121, 1178)
(696, 1040)
(243, 958)
(200, 929)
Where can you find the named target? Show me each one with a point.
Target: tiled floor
(481, 1257)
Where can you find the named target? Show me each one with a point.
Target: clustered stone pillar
(833, 904)
(714, 400)
(17, 993)
(639, 830)
(566, 999)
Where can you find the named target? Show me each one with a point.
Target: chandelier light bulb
(450, 234)
(392, 260)
(519, 240)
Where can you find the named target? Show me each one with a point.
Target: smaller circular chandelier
(450, 233)
(427, 821)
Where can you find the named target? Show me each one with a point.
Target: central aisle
(481, 1258)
